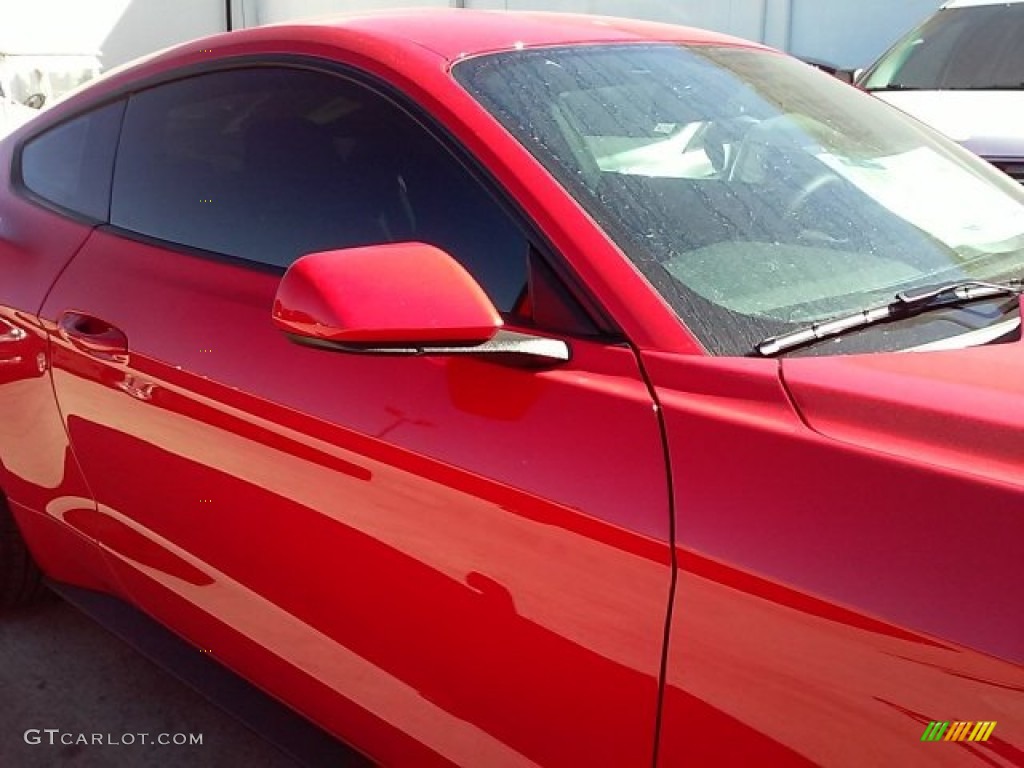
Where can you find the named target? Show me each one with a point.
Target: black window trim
(603, 325)
(190, 250)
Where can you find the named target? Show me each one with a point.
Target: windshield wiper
(894, 87)
(936, 87)
(907, 304)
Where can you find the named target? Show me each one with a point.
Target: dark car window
(71, 165)
(972, 48)
(270, 164)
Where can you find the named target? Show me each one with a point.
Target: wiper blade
(961, 290)
(937, 87)
(907, 304)
(894, 87)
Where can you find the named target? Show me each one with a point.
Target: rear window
(974, 48)
(71, 165)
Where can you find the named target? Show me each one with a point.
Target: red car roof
(406, 39)
(452, 33)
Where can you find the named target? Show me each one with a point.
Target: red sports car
(506, 390)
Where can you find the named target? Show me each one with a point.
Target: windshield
(973, 48)
(756, 194)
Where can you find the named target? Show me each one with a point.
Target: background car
(525, 389)
(962, 72)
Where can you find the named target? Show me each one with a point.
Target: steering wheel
(722, 140)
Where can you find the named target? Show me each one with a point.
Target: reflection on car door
(471, 554)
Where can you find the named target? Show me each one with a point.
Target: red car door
(441, 559)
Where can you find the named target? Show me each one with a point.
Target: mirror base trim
(518, 348)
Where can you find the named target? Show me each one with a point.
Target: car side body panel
(348, 531)
(39, 474)
(454, 561)
(806, 605)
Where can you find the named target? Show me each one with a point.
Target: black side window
(71, 165)
(270, 164)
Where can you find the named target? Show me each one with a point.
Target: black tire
(21, 581)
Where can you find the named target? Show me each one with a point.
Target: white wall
(845, 32)
(853, 34)
(271, 11)
(738, 17)
(149, 25)
(119, 29)
(57, 26)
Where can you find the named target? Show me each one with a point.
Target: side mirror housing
(399, 298)
(398, 295)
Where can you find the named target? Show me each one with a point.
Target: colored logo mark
(959, 731)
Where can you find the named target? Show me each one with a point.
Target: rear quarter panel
(38, 472)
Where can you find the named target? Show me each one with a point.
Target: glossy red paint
(450, 560)
(401, 293)
(760, 673)
(826, 585)
(922, 407)
(38, 471)
(278, 480)
(92, 336)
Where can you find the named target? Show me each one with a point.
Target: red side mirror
(396, 295)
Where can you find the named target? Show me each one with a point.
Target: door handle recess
(94, 336)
